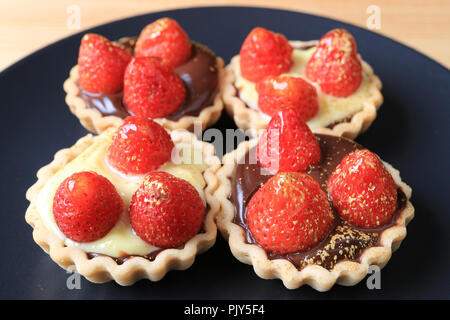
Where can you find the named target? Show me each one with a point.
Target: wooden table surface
(27, 25)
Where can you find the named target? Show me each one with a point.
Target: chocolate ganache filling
(200, 73)
(344, 241)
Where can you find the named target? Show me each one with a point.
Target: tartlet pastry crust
(103, 268)
(249, 119)
(345, 273)
(95, 122)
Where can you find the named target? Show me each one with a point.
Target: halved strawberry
(151, 89)
(101, 64)
(289, 213)
(287, 92)
(363, 191)
(166, 211)
(264, 54)
(139, 146)
(335, 65)
(288, 144)
(86, 206)
(164, 39)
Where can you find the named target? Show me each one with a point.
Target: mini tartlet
(122, 254)
(346, 114)
(200, 70)
(345, 249)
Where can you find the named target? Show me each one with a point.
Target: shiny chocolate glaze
(344, 242)
(151, 256)
(200, 74)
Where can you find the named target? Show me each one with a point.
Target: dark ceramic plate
(411, 132)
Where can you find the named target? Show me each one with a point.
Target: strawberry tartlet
(133, 202)
(161, 75)
(325, 81)
(310, 208)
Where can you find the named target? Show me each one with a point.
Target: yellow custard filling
(121, 240)
(331, 109)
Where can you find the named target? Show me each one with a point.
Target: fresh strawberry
(363, 191)
(151, 89)
(289, 213)
(288, 144)
(139, 146)
(164, 39)
(86, 206)
(286, 92)
(335, 65)
(101, 64)
(166, 211)
(264, 54)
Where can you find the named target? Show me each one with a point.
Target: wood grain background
(27, 25)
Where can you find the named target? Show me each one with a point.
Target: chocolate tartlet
(201, 73)
(346, 252)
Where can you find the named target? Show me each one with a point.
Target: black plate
(411, 132)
